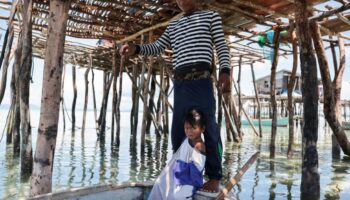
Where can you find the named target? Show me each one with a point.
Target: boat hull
(126, 191)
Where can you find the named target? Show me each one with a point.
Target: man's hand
(224, 83)
(127, 50)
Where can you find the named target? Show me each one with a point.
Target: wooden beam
(330, 13)
(162, 24)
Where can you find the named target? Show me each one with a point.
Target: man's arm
(222, 52)
(154, 48)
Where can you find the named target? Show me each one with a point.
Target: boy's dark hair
(195, 118)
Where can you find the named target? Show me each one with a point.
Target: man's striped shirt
(192, 37)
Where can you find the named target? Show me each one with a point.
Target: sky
(261, 69)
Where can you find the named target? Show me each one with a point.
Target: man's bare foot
(211, 186)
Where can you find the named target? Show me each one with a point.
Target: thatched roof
(120, 19)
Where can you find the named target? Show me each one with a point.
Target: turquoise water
(81, 161)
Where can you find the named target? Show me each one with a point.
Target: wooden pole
(101, 122)
(151, 101)
(273, 92)
(335, 146)
(290, 86)
(75, 92)
(240, 106)
(17, 115)
(115, 95)
(41, 179)
(62, 97)
(310, 178)
(331, 89)
(223, 193)
(229, 122)
(257, 100)
(9, 32)
(6, 64)
(121, 67)
(135, 101)
(93, 93)
(25, 70)
(86, 97)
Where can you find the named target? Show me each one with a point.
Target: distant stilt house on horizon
(282, 80)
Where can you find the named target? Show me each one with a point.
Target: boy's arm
(200, 146)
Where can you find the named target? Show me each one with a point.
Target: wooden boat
(138, 191)
(282, 122)
(126, 191)
(346, 125)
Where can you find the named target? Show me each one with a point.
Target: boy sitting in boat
(184, 173)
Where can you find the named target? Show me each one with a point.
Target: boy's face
(193, 132)
(187, 5)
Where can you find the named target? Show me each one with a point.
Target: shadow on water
(83, 160)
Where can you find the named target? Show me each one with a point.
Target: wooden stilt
(335, 144)
(101, 122)
(25, 71)
(115, 96)
(75, 93)
(331, 88)
(41, 179)
(86, 98)
(257, 100)
(273, 92)
(151, 101)
(310, 178)
(6, 64)
(16, 94)
(135, 101)
(290, 86)
(62, 97)
(94, 94)
(240, 106)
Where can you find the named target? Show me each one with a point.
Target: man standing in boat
(192, 38)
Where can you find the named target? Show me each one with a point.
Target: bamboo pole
(290, 86)
(257, 100)
(41, 179)
(273, 92)
(223, 193)
(310, 179)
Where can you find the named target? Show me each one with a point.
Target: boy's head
(194, 123)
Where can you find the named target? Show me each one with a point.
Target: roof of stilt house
(127, 20)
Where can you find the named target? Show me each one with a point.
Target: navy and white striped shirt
(191, 37)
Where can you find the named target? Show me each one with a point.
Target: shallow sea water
(81, 161)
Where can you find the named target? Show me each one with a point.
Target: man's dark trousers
(198, 94)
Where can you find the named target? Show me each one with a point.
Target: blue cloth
(187, 174)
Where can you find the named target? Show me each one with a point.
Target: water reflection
(81, 160)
